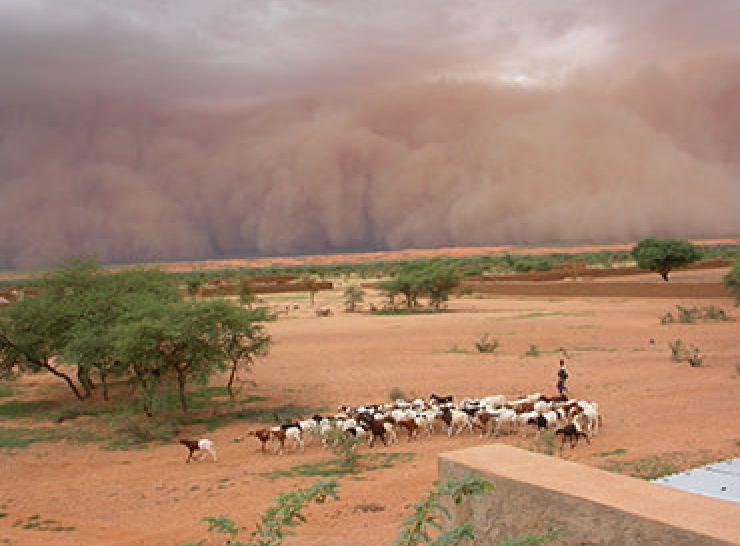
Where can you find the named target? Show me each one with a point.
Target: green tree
(352, 296)
(90, 343)
(35, 331)
(242, 339)
(438, 280)
(732, 280)
(664, 255)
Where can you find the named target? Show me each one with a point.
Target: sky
(146, 130)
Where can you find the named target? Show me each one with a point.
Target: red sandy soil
(651, 406)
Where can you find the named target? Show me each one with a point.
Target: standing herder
(562, 378)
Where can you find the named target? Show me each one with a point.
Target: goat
(263, 435)
(570, 432)
(202, 446)
(440, 400)
(411, 426)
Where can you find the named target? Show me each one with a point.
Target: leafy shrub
(276, 522)
(689, 315)
(678, 350)
(396, 394)
(416, 528)
(681, 352)
(487, 345)
(344, 446)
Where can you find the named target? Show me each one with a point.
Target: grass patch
(457, 350)
(649, 468)
(16, 409)
(20, 438)
(594, 349)
(614, 453)
(399, 312)
(335, 468)
(35, 523)
(6, 391)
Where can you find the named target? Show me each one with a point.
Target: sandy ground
(651, 406)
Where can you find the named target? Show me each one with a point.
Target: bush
(689, 315)
(664, 255)
(533, 351)
(681, 352)
(344, 446)
(485, 345)
(396, 394)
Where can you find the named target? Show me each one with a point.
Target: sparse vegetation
(277, 522)
(37, 523)
(690, 315)
(681, 352)
(423, 522)
(487, 344)
(344, 446)
(131, 324)
(533, 351)
(368, 462)
(352, 296)
(396, 394)
(732, 280)
(544, 442)
(664, 255)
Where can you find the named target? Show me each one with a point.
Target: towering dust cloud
(140, 132)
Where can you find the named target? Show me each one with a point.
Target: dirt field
(651, 406)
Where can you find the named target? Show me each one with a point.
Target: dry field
(658, 415)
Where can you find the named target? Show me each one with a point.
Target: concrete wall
(533, 493)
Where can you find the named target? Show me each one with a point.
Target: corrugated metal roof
(718, 480)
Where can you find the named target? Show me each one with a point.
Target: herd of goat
(491, 415)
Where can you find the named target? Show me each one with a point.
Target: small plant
(275, 524)
(533, 351)
(396, 394)
(487, 345)
(696, 359)
(681, 352)
(690, 315)
(544, 442)
(687, 315)
(678, 350)
(417, 528)
(533, 540)
(344, 446)
(668, 318)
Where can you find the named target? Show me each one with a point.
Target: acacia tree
(91, 344)
(664, 255)
(34, 332)
(352, 296)
(186, 341)
(242, 339)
